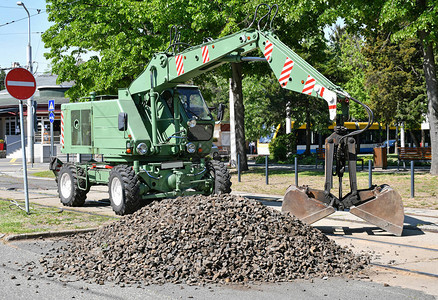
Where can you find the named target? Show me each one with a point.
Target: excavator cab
(378, 205)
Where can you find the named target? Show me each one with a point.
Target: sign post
(21, 85)
(51, 119)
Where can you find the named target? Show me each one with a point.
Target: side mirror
(220, 111)
(123, 121)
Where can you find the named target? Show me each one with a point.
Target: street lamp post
(30, 120)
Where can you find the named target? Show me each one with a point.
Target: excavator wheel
(222, 178)
(124, 190)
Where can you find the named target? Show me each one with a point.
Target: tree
(395, 80)
(405, 19)
(2, 79)
(122, 35)
(353, 65)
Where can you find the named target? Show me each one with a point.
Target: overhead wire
(24, 18)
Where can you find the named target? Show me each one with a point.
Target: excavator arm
(381, 206)
(293, 73)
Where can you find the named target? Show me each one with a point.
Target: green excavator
(155, 136)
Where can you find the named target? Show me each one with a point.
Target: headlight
(191, 122)
(191, 148)
(142, 148)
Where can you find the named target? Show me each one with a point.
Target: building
(10, 131)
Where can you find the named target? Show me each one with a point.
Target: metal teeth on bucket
(381, 206)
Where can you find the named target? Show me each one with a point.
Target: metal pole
(30, 120)
(387, 139)
(412, 180)
(23, 150)
(51, 140)
(370, 174)
(266, 169)
(238, 167)
(296, 171)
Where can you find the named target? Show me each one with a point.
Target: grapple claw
(303, 203)
(383, 209)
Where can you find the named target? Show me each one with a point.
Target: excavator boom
(172, 67)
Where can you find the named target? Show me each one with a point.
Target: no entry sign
(20, 83)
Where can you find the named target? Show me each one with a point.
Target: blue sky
(14, 36)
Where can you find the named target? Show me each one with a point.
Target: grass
(426, 185)
(253, 181)
(46, 174)
(13, 220)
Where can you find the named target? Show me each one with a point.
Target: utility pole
(30, 106)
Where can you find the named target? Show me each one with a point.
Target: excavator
(155, 136)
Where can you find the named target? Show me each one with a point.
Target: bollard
(296, 171)
(238, 167)
(370, 174)
(266, 169)
(68, 157)
(412, 180)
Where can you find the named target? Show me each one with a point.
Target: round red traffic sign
(20, 83)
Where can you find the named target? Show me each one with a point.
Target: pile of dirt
(202, 239)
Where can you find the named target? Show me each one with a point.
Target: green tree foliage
(2, 79)
(121, 36)
(353, 65)
(104, 45)
(283, 147)
(405, 20)
(395, 80)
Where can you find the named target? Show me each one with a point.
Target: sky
(14, 36)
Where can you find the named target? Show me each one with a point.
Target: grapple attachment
(381, 206)
(304, 204)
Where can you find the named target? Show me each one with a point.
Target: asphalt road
(21, 277)
(408, 269)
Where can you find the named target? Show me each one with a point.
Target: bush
(283, 147)
(261, 159)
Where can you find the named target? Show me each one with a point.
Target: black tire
(222, 178)
(69, 192)
(124, 190)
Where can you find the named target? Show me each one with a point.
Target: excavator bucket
(303, 203)
(383, 207)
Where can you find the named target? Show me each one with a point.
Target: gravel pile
(202, 239)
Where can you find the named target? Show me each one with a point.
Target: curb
(48, 234)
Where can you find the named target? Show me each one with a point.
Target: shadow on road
(99, 203)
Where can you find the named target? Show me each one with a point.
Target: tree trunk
(239, 114)
(432, 96)
(414, 139)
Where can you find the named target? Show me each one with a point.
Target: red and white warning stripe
(328, 96)
(179, 65)
(205, 57)
(268, 50)
(309, 85)
(62, 129)
(285, 73)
